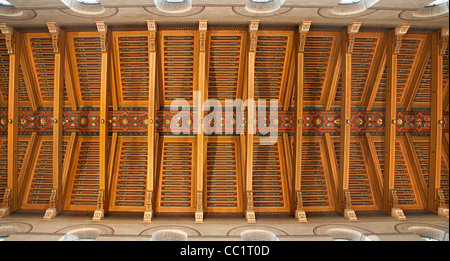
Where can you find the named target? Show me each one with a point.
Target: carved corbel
(443, 43)
(300, 214)
(396, 212)
(202, 27)
(199, 210)
(253, 28)
(151, 27)
(348, 211)
(54, 30)
(442, 209)
(99, 212)
(250, 213)
(8, 31)
(102, 29)
(352, 30)
(400, 30)
(5, 209)
(303, 30)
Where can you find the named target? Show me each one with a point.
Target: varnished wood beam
(393, 48)
(30, 84)
(103, 136)
(151, 25)
(435, 197)
(251, 121)
(202, 88)
(332, 164)
(11, 197)
(331, 88)
(69, 80)
(300, 214)
(446, 98)
(417, 76)
(415, 164)
(374, 82)
(27, 165)
(347, 43)
(55, 202)
(69, 161)
(445, 144)
(377, 173)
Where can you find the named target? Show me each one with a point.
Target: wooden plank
(103, 136)
(287, 160)
(445, 142)
(331, 83)
(298, 136)
(30, 84)
(27, 165)
(68, 162)
(202, 90)
(446, 98)
(332, 164)
(69, 80)
(377, 173)
(417, 76)
(437, 68)
(390, 119)
(393, 48)
(59, 48)
(13, 42)
(290, 86)
(151, 121)
(374, 82)
(415, 165)
(348, 41)
(250, 214)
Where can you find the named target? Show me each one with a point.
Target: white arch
(173, 6)
(87, 7)
(263, 6)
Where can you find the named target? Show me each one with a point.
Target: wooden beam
(203, 89)
(446, 98)
(374, 82)
(300, 214)
(11, 197)
(377, 173)
(415, 164)
(290, 85)
(332, 85)
(435, 198)
(390, 204)
(69, 80)
(103, 136)
(332, 164)
(148, 214)
(26, 168)
(30, 84)
(251, 120)
(348, 41)
(68, 161)
(55, 202)
(445, 143)
(417, 75)
(287, 160)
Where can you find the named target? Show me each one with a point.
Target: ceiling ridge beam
(300, 214)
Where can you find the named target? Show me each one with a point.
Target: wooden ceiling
(117, 154)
